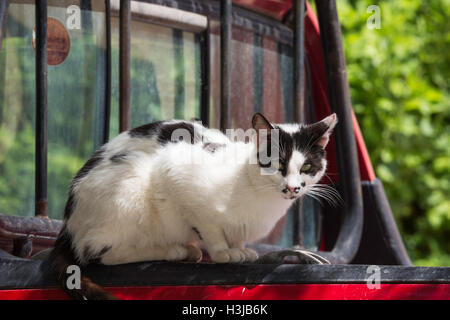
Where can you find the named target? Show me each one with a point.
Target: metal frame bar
(16, 274)
(243, 17)
(299, 56)
(258, 64)
(41, 109)
(298, 98)
(3, 16)
(178, 58)
(205, 76)
(107, 111)
(225, 62)
(349, 236)
(124, 66)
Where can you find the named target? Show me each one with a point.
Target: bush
(399, 76)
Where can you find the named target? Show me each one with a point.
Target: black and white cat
(146, 195)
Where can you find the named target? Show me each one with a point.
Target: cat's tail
(63, 256)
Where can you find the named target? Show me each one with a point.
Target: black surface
(381, 242)
(22, 273)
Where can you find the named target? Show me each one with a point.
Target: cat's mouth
(291, 197)
(292, 194)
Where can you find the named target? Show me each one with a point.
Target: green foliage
(399, 78)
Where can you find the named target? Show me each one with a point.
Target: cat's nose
(293, 189)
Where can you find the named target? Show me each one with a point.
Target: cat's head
(293, 155)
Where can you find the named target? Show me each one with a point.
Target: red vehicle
(226, 60)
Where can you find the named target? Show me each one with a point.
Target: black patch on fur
(164, 131)
(94, 256)
(212, 146)
(146, 131)
(88, 166)
(117, 158)
(61, 257)
(305, 141)
(70, 204)
(197, 232)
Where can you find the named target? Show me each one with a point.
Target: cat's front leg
(216, 244)
(250, 254)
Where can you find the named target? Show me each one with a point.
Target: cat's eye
(280, 166)
(305, 167)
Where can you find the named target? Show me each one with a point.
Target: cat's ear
(323, 129)
(259, 123)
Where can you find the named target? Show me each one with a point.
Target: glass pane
(75, 105)
(262, 81)
(261, 78)
(165, 74)
(17, 116)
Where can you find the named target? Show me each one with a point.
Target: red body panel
(273, 8)
(313, 48)
(257, 292)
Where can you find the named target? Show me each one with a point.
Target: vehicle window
(165, 74)
(75, 106)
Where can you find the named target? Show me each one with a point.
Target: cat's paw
(250, 254)
(194, 254)
(228, 256)
(177, 253)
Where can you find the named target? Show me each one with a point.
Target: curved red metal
(274, 8)
(313, 48)
(257, 292)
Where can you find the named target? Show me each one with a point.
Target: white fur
(146, 206)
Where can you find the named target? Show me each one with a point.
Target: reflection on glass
(165, 74)
(261, 77)
(262, 81)
(75, 108)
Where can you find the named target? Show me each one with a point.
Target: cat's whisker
(328, 189)
(327, 192)
(328, 199)
(315, 198)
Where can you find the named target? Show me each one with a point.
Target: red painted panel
(274, 8)
(365, 165)
(257, 292)
(313, 48)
